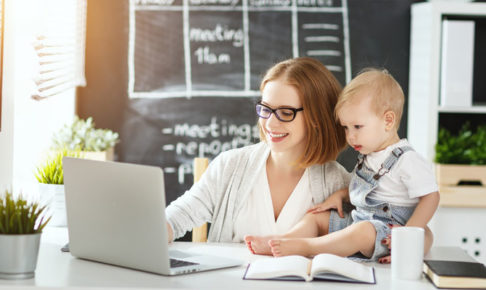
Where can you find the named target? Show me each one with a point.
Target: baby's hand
(332, 202)
(322, 207)
(387, 242)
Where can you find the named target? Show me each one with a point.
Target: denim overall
(363, 181)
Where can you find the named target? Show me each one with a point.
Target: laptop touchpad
(180, 254)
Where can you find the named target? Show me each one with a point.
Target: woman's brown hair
(318, 91)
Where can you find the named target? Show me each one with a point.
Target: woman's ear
(390, 119)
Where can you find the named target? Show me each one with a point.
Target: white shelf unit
(466, 110)
(461, 227)
(452, 226)
(425, 68)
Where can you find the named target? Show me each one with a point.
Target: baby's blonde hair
(386, 93)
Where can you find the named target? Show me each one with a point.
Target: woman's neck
(284, 163)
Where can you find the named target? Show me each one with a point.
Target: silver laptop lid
(108, 217)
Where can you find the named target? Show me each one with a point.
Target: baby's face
(365, 130)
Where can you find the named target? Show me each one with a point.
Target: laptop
(116, 215)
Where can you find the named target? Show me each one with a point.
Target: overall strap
(391, 160)
(360, 162)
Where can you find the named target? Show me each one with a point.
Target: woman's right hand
(335, 201)
(170, 233)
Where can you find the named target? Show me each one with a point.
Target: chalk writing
(208, 140)
(319, 3)
(209, 55)
(215, 129)
(206, 2)
(154, 2)
(218, 34)
(220, 47)
(204, 55)
(276, 3)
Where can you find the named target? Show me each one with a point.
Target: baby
(390, 185)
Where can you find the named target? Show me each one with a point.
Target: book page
(272, 268)
(327, 263)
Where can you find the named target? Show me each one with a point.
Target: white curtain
(59, 43)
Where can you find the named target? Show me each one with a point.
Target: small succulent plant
(51, 171)
(19, 216)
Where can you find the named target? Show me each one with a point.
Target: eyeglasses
(283, 114)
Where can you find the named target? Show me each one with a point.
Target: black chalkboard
(171, 132)
(205, 48)
(174, 92)
(196, 68)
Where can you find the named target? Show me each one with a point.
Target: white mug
(407, 253)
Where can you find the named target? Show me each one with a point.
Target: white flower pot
(53, 195)
(18, 256)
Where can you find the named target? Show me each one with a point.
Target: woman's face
(283, 137)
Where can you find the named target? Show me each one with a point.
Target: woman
(266, 188)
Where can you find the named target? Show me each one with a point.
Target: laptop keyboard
(174, 263)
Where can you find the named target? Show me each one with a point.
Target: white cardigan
(226, 184)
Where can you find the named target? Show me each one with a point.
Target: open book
(321, 267)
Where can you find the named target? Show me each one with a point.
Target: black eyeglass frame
(274, 111)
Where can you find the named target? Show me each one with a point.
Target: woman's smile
(276, 137)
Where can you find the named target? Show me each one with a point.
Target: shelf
(468, 110)
(463, 196)
(424, 110)
(452, 195)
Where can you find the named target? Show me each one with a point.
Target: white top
(225, 186)
(410, 178)
(257, 217)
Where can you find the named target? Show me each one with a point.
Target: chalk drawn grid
(160, 67)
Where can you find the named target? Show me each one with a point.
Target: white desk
(56, 269)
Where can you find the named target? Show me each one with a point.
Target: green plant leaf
(467, 147)
(19, 216)
(51, 171)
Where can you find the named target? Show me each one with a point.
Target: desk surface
(58, 269)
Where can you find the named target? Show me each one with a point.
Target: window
(1, 56)
(60, 47)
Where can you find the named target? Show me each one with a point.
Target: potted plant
(82, 135)
(50, 176)
(461, 163)
(21, 224)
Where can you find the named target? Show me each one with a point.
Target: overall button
(385, 208)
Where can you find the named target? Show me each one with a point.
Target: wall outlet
(461, 227)
(474, 245)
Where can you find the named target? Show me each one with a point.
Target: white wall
(6, 131)
(27, 124)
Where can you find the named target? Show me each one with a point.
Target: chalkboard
(194, 66)
(171, 132)
(209, 48)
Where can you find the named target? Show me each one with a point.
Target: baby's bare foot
(286, 247)
(248, 245)
(258, 245)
